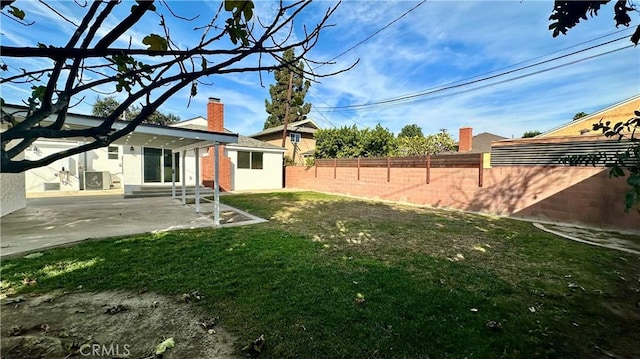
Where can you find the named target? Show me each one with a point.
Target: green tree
(412, 130)
(337, 142)
(103, 107)
(378, 142)
(530, 134)
(579, 115)
(567, 14)
(62, 70)
(298, 109)
(422, 146)
(349, 142)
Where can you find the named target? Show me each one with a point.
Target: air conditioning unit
(97, 180)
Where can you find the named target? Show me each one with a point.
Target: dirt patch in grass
(109, 324)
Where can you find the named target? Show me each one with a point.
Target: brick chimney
(215, 123)
(215, 115)
(465, 140)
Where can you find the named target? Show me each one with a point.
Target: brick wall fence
(579, 195)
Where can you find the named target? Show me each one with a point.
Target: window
(244, 159)
(250, 160)
(256, 160)
(295, 137)
(114, 152)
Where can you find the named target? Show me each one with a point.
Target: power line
(416, 98)
(440, 89)
(525, 61)
(374, 34)
(340, 112)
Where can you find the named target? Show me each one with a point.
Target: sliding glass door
(157, 165)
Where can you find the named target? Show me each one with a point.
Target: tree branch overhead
(148, 72)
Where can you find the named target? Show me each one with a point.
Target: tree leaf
(635, 38)
(17, 12)
(38, 92)
(155, 42)
(616, 172)
(194, 88)
(630, 200)
(634, 180)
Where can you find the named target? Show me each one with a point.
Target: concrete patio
(59, 221)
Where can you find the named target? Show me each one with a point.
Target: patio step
(158, 191)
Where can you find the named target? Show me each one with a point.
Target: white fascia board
(160, 130)
(92, 121)
(256, 149)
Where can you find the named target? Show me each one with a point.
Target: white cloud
(439, 43)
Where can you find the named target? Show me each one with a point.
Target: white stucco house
(151, 156)
(255, 164)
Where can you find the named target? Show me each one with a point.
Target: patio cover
(174, 138)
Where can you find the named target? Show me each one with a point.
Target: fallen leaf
(167, 344)
(116, 309)
(475, 310)
(15, 331)
(532, 309)
(255, 347)
(209, 323)
(29, 281)
(492, 324)
(13, 300)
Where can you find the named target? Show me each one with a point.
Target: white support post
(197, 152)
(184, 177)
(216, 186)
(173, 176)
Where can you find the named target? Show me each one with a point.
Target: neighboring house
(300, 142)
(249, 164)
(569, 142)
(475, 144)
(148, 157)
(618, 112)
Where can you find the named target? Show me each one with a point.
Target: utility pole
(287, 109)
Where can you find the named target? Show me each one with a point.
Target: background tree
(103, 107)
(579, 115)
(567, 14)
(349, 142)
(423, 146)
(412, 130)
(378, 142)
(298, 109)
(338, 142)
(149, 70)
(530, 134)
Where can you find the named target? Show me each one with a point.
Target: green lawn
(331, 276)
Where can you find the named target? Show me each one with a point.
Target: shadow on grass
(416, 283)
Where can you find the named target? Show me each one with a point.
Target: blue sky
(439, 43)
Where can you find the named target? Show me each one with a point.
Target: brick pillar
(466, 139)
(215, 123)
